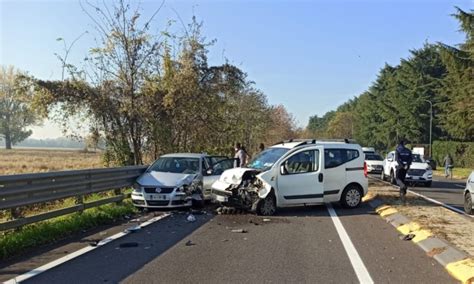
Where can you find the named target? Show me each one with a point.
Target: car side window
(336, 157)
(302, 162)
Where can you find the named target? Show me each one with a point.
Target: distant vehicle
(368, 150)
(374, 163)
(296, 172)
(469, 194)
(420, 171)
(178, 180)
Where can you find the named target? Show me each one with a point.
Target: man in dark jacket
(404, 158)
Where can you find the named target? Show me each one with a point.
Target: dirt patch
(443, 223)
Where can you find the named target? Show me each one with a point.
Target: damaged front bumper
(242, 188)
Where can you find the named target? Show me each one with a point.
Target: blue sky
(310, 56)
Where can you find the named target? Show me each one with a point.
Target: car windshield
(179, 165)
(265, 159)
(373, 157)
(417, 159)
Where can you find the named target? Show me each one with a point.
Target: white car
(374, 162)
(296, 172)
(176, 180)
(420, 171)
(469, 194)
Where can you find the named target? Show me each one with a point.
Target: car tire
(351, 197)
(392, 177)
(428, 184)
(468, 203)
(382, 176)
(267, 206)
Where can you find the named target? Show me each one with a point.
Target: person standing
(448, 165)
(404, 158)
(240, 156)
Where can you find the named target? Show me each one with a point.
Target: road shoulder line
(78, 253)
(354, 257)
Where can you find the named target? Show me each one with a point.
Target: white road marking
(80, 252)
(357, 263)
(429, 199)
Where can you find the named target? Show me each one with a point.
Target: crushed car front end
(241, 187)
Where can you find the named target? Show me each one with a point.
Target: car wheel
(351, 197)
(382, 176)
(392, 177)
(468, 203)
(428, 183)
(267, 206)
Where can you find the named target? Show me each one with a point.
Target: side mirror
(283, 170)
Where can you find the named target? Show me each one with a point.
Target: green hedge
(462, 153)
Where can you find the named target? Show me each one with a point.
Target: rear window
(373, 157)
(336, 157)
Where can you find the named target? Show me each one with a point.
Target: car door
(300, 178)
(213, 171)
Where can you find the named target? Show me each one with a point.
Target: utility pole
(431, 124)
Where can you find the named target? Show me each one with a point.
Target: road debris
(266, 220)
(242, 231)
(191, 218)
(190, 243)
(133, 229)
(408, 237)
(128, 245)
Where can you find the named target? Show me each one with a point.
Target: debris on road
(266, 220)
(133, 229)
(190, 243)
(242, 231)
(128, 245)
(94, 243)
(408, 237)
(191, 218)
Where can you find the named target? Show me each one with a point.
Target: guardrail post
(16, 213)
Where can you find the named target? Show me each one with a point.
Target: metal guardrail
(28, 189)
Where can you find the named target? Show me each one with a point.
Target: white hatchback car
(420, 171)
(178, 180)
(469, 194)
(296, 172)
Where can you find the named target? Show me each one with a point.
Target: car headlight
(137, 187)
(181, 189)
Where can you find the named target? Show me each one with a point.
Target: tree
(16, 112)
(341, 125)
(456, 100)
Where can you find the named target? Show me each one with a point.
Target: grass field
(18, 161)
(461, 173)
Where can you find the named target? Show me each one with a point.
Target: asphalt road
(448, 191)
(298, 245)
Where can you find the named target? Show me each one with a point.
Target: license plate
(220, 198)
(415, 177)
(158, 197)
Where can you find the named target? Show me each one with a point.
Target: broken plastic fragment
(239, 231)
(191, 218)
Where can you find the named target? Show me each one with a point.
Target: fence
(29, 189)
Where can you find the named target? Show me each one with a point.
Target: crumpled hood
(234, 176)
(419, 166)
(165, 179)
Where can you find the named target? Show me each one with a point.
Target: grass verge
(443, 223)
(460, 173)
(41, 233)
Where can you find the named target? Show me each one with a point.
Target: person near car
(240, 156)
(404, 158)
(247, 157)
(448, 165)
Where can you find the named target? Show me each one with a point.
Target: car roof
(312, 142)
(185, 155)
